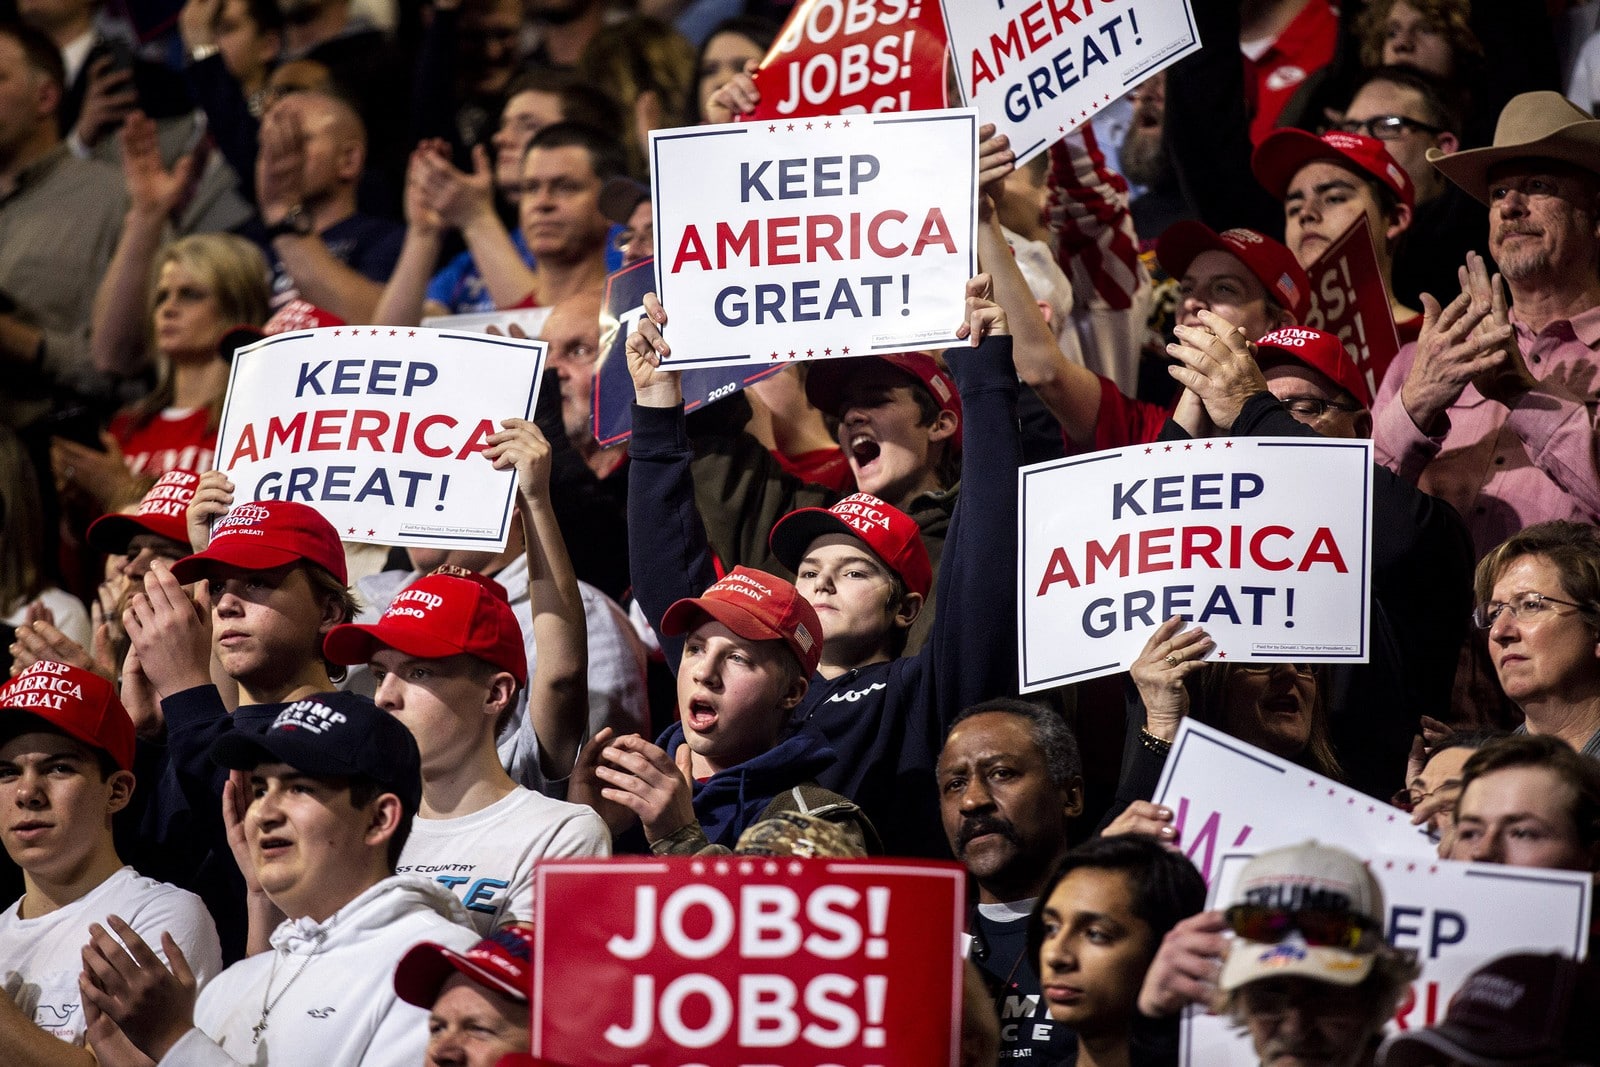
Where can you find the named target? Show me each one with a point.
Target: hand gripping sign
(742, 961)
(1264, 541)
(380, 429)
(1038, 70)
(821, 237)
(837, 57)
(1456, 917)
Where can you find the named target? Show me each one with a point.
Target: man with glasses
(1307, 971)
(1413, 114)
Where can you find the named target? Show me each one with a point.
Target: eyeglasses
(1386, 127)
(1313, 407)
(1304, 670)
(1320, 927)
(1524, 607)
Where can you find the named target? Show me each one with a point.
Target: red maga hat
(1279, 158)
(893, 536)
(758, 607)
(265, 534)
(1273, 265)
(1321, 351)
(79, 703)
(161, 512)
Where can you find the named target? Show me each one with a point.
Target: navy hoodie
(886, 722)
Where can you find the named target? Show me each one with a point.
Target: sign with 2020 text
(849, 235)
(380, 429)
(1264, 541)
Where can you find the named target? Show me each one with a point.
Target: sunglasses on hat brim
(1320, 927)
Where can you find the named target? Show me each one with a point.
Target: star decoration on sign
(827, 125)
(773, 128)
(372, 533)
(1187, 447)
(1167, 448)
(1148, 451)
(808, 125)
(352, 530)
(337, 332)
(411, 333)
(1208, 444)
(845, 350)
(791, 127)
(392, 333)
(847, 124)
(811, 351)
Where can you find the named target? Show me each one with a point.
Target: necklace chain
(268, 1001)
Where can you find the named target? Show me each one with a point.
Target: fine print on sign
(743, 961)
(814, 238)
(1040, 70)
(381, 429)
(842, 57)
(1264, 541)
(1456, 917)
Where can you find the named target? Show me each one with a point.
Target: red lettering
(421, 439)
(1257, 552)
(736, 243)
(877, 246)
(1063, 14)
(819, 241)
(692, 250)
(366, 425)
(1118, 553)
(1059, 569)
(280, 434)
(778, 241)
(1153, 545)
(1323, 549)
(1033, 21)
(1193, 548)
(934, 231)
(325, 430)
(478, 441)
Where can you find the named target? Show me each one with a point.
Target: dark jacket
(886, 721)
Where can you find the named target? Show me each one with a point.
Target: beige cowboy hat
(1542, 125)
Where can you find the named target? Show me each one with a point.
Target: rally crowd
(267, 796)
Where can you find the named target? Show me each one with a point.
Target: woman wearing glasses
(1538, 596)
(1094, 933)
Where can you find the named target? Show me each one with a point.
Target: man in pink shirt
(1492, 409)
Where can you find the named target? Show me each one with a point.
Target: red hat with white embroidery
(501, 962)
(758, 607)
(262, 535)
(893, 536)
(451, 612)
(1279, 158)
(161, 512)
(1273, 265)
(1322, 352)
(79, 703)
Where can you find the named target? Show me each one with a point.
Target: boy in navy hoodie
(734, 757)
(863, 566)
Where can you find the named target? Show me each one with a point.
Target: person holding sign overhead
(863, 565)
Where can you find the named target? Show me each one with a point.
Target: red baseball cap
(79, 703)
(160, 512)
(1279, 158)
(1321, 351)
(451, 612)
(263, 534)
(825, 382)
(758, 607)
(501, 962)
(893, 536)
(1273, 265)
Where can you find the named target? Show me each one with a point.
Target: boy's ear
(501, 695)
(795, 692)
(944, 425)
(119, 791)
(387, 811)
(910, 607)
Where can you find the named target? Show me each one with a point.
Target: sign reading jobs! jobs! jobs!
(1263, 541)
(830, 236)
(1038, 70)
(741, 961)
(381, 429)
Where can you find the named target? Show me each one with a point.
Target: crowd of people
(270, 796)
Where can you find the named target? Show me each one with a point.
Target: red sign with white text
(841, 57)
(1348, 299)
(738, 961)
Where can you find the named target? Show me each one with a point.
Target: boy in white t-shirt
(448, 659)
(66, 753)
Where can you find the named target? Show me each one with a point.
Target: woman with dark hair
(1094, 933)
(728, 50)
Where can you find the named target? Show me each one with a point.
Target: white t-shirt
(486, 859)
(41, 958)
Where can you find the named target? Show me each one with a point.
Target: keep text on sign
(380, 429)
(1040, 70)
(1263, 541)
(746, 961)
(814, 238)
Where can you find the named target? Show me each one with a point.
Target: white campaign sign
(1264, 541)
(529, 320)
(1455, 916)
(380, 429)
(1040, 70)
(819, 237)
(1226, 795)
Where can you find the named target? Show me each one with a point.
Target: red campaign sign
(1348, 299)
(741, 961)
(838, 57)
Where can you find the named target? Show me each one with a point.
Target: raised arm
(404, 298)
(558, 704)
(466, 201)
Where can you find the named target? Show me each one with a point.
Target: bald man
(325, 253)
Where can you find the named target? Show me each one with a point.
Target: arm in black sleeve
(1207, 130)
(195, 718)
(228, 118)
(669, 555)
